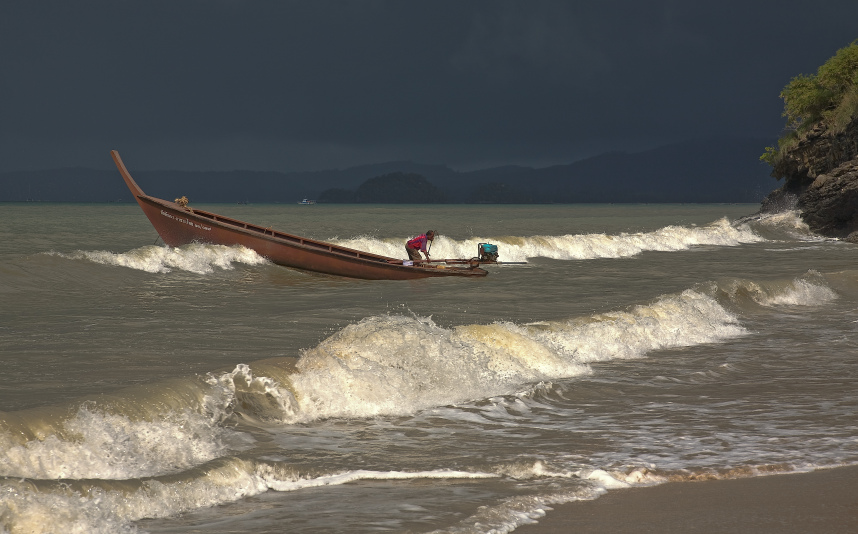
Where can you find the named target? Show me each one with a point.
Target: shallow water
(202, 388)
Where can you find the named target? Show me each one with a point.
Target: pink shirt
(418, 242)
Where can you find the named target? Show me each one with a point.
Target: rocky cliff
(821, 180)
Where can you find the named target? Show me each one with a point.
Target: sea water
(203, 389)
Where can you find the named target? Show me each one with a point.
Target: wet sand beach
(820, 501)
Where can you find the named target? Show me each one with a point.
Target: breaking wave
(168, 448)
(195, 258)
(810, 289)
(577, 246)
(783, 225)
(102, 506)
(204, 258)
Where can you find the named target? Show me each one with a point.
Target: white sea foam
(801, 292)
(576, 246)
(810, 289)
(110, 508)
(195, 258)
(257, 397)
(99, 445)
(686, 319)
(605, 480)
(513, 512)
(203, 259)
(786, 224)
(380, 365)
(353, 476)
(399, 365)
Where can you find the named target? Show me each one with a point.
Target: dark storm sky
(285, 85)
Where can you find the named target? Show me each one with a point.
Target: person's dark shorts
(413, 254)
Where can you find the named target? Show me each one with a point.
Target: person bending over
(419, 244)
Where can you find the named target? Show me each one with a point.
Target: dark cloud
(287, 85)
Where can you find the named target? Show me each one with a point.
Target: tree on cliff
(818, 156)
(826, 102)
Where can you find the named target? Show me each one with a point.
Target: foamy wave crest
(785, 224)
(399, 365)
(576, 247)
(106, 506)
(801, 292)
(141, 431)
(163, 450)
(381, 365)
(98, 445)
(689, 318)
(145, 431)
(260, 398)
(195, 258)
(354, 476)
(808, 290)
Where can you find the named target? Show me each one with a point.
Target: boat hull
(178, 225)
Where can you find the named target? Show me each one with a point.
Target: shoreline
(825, 500)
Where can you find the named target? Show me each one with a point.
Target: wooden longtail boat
(180, 225)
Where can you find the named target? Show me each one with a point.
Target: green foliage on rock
(827, 100)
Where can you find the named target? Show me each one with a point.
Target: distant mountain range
(712, 170)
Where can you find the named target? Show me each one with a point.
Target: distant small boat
(177, 224)
(307, 201)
